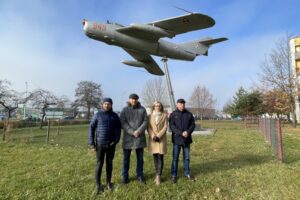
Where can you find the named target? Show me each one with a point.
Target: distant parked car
(32, 119)
(69, 118)
(237, 118)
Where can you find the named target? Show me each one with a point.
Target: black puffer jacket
(106, 126)
(181, 121)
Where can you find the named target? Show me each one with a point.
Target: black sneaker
(174, 179)
(100, 190)
(125, 181)
(109, 186)
(141, 180)
(191, 178)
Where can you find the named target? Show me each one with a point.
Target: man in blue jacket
(182, 125)
(104, 134)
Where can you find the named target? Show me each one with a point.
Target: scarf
(157, 116)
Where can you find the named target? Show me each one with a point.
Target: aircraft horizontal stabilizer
(200, 47)
(209, 42)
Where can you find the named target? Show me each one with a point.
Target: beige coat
(159, 130)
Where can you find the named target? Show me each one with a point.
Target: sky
(42, 43)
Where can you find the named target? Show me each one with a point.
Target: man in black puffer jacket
(182, 124)
(104, 134)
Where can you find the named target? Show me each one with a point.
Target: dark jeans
(101, 151)
(158, 163)
(186, 159)
(139, 163)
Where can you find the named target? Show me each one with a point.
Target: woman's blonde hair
(161, 106)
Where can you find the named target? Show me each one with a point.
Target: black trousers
(158, 163)
(101, 152)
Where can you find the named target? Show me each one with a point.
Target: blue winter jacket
(105, 128)
(179, 122)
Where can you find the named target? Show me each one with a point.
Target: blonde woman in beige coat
(157, 129)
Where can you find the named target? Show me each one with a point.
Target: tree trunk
(89, 112)
(4, 131)
(294, 120)
(42, 121)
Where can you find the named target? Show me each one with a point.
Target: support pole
(170, 90)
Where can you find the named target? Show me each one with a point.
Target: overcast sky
(42, 43)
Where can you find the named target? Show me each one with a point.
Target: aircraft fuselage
(106, 32)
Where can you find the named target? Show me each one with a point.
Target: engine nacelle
(153, 29)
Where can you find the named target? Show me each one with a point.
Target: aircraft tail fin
(200, 47)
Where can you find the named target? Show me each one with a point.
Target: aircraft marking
(100, 27)
(185, 20)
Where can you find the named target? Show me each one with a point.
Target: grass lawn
(234, 163)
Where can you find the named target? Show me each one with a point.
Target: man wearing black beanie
(104, 134)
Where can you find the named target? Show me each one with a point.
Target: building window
(298, 67)
(297, 48)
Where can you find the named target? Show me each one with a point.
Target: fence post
(48, 131)
(58, 126)
(279, 141)
(265, 128)
(269, 128)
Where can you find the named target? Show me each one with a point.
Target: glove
(156, 139)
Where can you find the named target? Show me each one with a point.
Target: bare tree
(9, 100)
(154, 90)
(277, 72)
(89, 95)
(63, 102)
(42, 99)
(276, 101)
(202, 100)
(228, 106)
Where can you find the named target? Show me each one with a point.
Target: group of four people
(105, 131)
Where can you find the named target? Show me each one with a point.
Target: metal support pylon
(170, 89)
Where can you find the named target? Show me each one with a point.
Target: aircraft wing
(185, 23)
(168, 27)
(140, 31)
(147, 62)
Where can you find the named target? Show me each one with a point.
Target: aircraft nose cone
(85, 25)
(83, 22)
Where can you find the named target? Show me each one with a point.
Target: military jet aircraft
(143, 40)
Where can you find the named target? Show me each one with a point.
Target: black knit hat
(133, 96)
(107, 99)
(180, 101)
